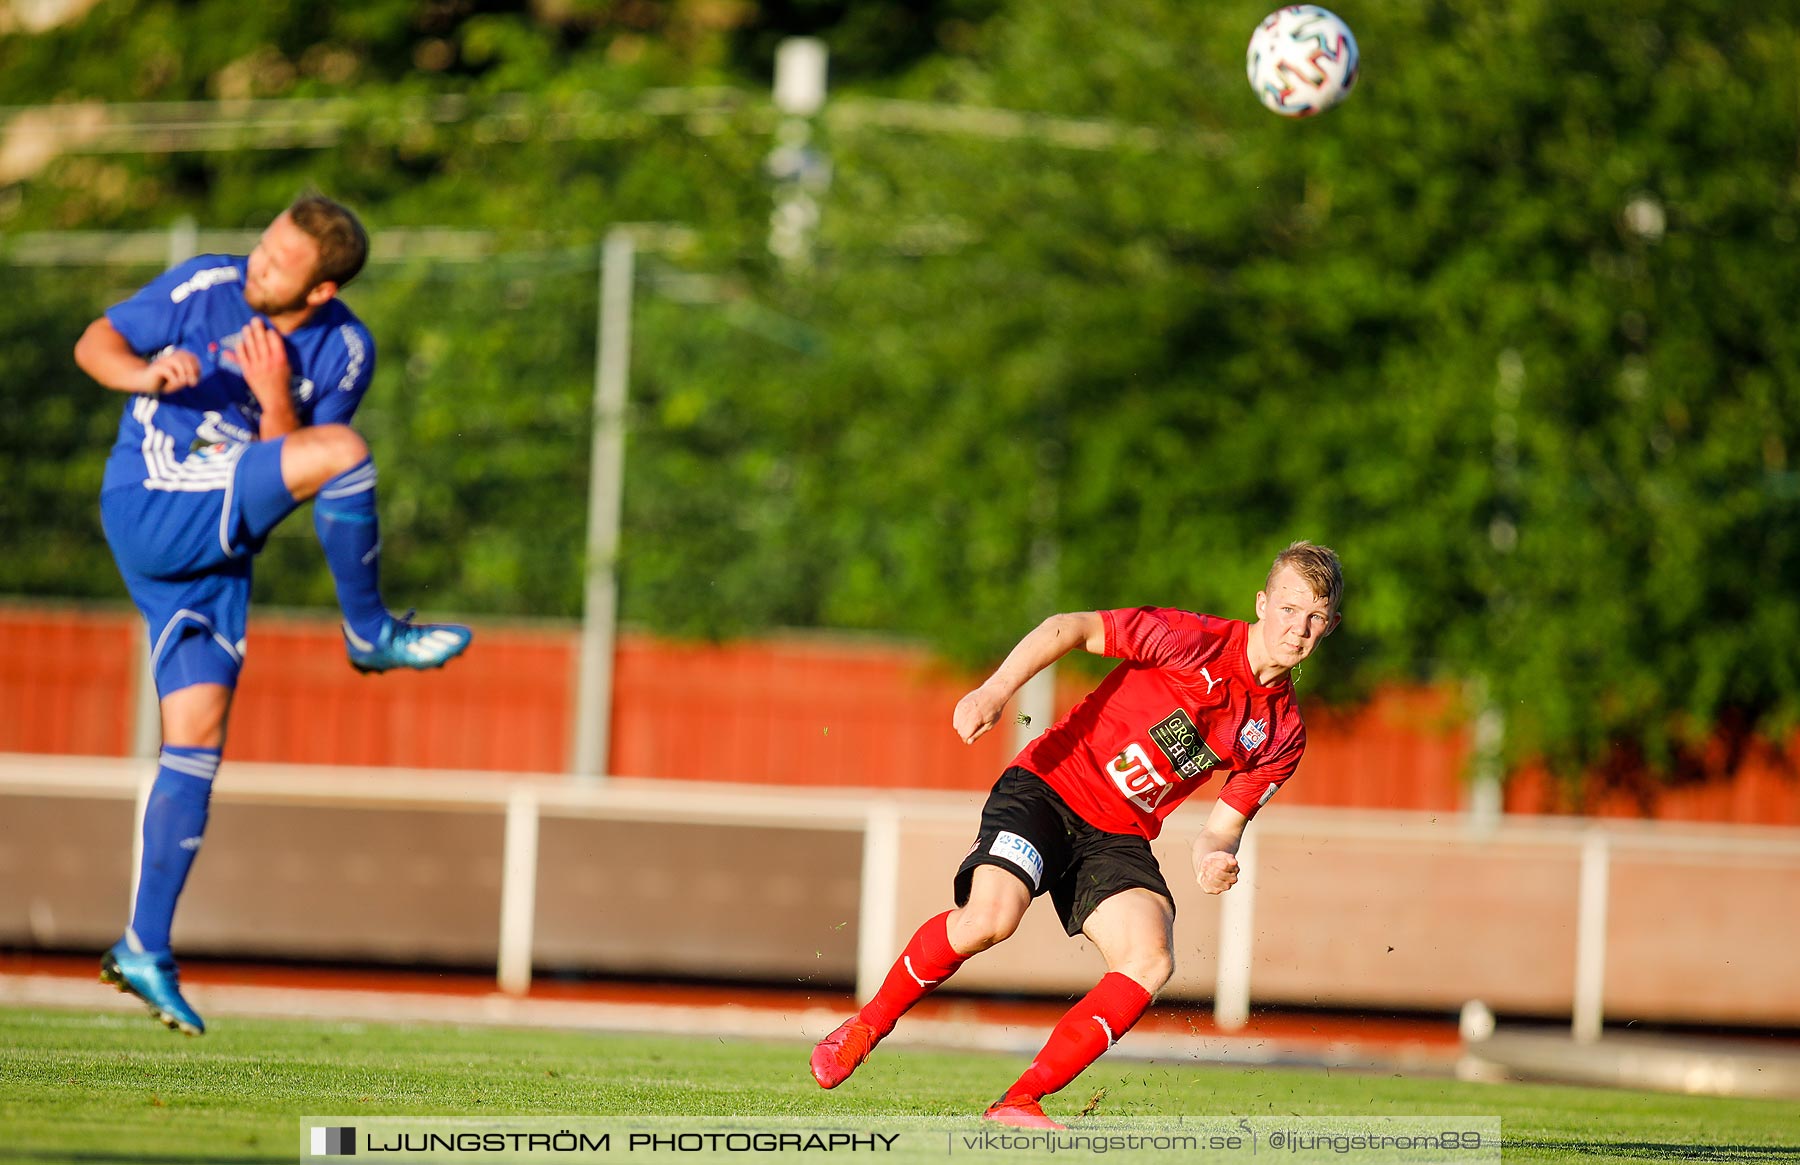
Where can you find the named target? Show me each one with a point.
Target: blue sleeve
(158, 314)
(348, 379)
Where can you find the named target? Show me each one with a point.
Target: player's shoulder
(201, 274)
(1290, 721)
(340, 319)
(344, 343)
(1175, 636)
(1174, 616)
(1198, 623)
(1220, 624)
(340, 330)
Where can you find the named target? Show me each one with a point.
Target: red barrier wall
(65, 680)
(794, 711)
(1404, 749)
(1761, 792)
(504, 707)
(790, 710)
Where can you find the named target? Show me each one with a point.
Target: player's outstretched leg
(175, 818)
(345, 520)
(927, 961)
(1080, 1037)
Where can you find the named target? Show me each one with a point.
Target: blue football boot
(403, 643)
(152, 977)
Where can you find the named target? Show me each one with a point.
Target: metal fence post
(1237, 929)
(518, 891)
(606, 484)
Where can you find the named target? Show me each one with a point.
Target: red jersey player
(1194, 696)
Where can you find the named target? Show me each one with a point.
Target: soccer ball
(1302, 60)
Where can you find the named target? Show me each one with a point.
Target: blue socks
(174, 820)
(344, 517)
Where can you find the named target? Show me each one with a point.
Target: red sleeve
(1250, 790)
(1159, 636)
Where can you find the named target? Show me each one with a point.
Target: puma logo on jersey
(1209, 680)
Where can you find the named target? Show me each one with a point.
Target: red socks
(928, 960)
(1090, 1027)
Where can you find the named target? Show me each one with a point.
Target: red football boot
(843, 1051)
(1021, 1112)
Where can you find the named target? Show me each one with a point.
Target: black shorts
(1030, 831)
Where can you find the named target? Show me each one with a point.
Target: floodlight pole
(802, 173)
(606, 479)
(1485, 797)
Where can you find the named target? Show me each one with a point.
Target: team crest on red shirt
(1252, 734)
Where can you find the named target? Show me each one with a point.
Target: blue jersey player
(243, 374)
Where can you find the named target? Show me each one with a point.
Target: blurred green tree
(1507, 328)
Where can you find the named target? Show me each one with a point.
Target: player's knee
(1151, 970)
(980, 925)
(195, 716)
(341, 446)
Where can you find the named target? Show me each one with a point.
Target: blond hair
(1318, 565)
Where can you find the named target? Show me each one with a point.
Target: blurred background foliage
(1510, 329)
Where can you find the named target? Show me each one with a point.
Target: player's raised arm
(107, 356)
(1215, 850)
(1042, 646)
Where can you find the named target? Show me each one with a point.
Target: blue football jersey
(199, 306)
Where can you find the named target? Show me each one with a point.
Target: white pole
(146, 715)
(1590, 937)
(1237, 928)
(1036, 708)
(878, 912)
(140, 804)
(802, 174)
(606, 481)
(518, 891)
(1484, 800)
(800, 66)
(184, 240)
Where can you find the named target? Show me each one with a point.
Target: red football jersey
(1182, 706)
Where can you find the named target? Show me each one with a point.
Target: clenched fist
(171, 372)
(977, 712)
(1216, 872)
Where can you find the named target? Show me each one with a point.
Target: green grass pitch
(80, 1087)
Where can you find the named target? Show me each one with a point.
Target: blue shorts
(185, 548)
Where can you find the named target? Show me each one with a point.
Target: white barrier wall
(1592, 920)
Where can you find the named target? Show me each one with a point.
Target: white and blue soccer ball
(1302, 60)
